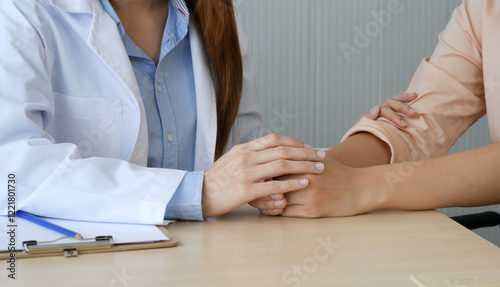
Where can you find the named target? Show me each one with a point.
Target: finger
(268, 204)
(392, 116)
(402, 106)
(297, 211)
(392, 106)
(284, 167)
(288, 153)
(373, 114)
(409, 112)
(288, 177)
(396, 105)
(268, 188)
(295, 205)
(271, 212)
(275, 140)
(295, 197)
(273, 197)
(406, 97)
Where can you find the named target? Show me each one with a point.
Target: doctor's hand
(245, 173)
(392, 109)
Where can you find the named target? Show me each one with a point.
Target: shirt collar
(182, 9)
(180, 5)
(111, 12)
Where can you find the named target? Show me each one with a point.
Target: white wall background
(312, 90)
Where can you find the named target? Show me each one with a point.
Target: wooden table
(244, 248)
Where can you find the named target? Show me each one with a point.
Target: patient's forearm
(361, 150)
(470, 178)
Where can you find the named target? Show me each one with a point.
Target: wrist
(207, 194)
(374, 194)
(367, 182)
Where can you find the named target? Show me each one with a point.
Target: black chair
(478, 220)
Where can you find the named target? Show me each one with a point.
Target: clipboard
(92, 247)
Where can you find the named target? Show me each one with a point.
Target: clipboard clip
(68, 249)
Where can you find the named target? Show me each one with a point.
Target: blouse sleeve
(450, 88)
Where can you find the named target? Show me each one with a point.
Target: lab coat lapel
(74, 6)
(206, 127)
(105, 39)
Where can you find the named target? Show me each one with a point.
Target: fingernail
(304, 182)
(319, 166)
(276, 211)
(320, 154)
(279, 203)
(374, 111)
(276, 196)
(403, 122)
(307, 146)
(411, 110)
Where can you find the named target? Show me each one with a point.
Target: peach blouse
(456, 86)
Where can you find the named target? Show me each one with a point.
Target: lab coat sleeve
(249, 114)
(450, 88)
(52, 179)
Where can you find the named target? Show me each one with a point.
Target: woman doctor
(115, 110)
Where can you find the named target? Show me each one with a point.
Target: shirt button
(159, 88)
(170, 137)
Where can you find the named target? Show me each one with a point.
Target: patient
(398, 160)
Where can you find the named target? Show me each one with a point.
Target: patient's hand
(338, 191)
(393, 109)
(276, 203)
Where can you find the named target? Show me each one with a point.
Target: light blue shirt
(169, 97)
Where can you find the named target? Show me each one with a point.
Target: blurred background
(320, 64)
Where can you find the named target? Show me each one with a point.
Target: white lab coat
(72, 124)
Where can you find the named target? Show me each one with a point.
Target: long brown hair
(218, 27)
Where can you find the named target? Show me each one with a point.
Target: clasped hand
(337, 191)
(247, 173)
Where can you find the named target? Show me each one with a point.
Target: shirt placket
(169, 128)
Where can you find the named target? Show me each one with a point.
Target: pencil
(46, 224)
